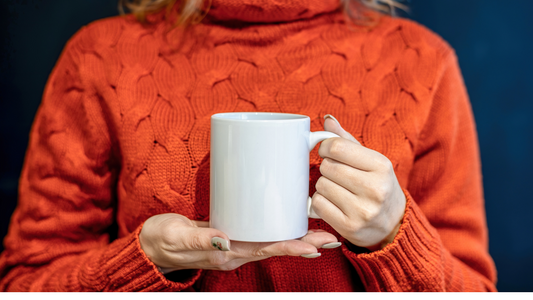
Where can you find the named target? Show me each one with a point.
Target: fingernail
(331, 245)
(334, 119)
(311, 255)
(220, 244)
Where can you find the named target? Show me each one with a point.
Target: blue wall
(494, 43)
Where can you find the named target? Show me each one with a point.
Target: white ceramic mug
(260, 175)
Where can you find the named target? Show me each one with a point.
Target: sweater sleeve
(59, 235)
(442, 244)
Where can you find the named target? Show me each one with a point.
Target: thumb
(182, 234)
(332, 125)
(219, 240)
(206, 239)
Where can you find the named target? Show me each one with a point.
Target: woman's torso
(159, 89)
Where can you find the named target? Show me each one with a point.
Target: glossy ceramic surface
(260, 175)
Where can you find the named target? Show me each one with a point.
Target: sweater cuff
(125, 267)
(410, 263)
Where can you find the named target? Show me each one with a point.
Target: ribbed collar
(267, 11)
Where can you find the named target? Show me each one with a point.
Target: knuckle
(374, 213)
(320, 183)
(381, 192)
(258, 252)
(283, 250)
(323, 166)
(314, 204)
(316, 207)
(218, 260)
(365, 214)
(316, 201)
(326, 167)
(383, 163)
(368, 214)
(230, 266)
(234, 264)
(352, 226)
(337, 147)
(195, 242)
(166, 230)
(168, 235)
(378, 192)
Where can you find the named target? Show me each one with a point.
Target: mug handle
(315, 138)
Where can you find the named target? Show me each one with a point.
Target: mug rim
(289, 117)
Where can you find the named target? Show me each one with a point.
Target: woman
(114, 190)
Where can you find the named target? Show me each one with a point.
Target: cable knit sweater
(123, 134)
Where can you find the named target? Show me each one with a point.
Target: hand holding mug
(358, 194)
(173, 242)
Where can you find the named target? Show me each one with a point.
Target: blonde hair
(192, 11)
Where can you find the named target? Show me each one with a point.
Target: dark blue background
(493, 40)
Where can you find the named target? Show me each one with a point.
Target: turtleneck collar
(268, 11)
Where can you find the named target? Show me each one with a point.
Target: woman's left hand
(358, 194)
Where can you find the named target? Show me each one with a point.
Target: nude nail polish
(311, 255)
(220, 244)
(333, 118)
(331, 245)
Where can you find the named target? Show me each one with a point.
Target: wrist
(387, 240)
(390, 238)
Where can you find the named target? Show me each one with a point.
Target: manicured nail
(220, 244)
(331, 245)
(311, 255)
(333, 118)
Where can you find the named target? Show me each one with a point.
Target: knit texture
(123, 134)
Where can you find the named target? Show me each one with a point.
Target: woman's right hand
(173, 242)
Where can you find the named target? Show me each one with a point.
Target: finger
(200, 239)
(328, 211)
(202, 224)
(306, 245)
(340, 197)
(352, 179)
(318, 239)
(352, 154)
(315, 230)
(284, 248)
(331, 124)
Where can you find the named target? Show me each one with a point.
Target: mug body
(259, 175)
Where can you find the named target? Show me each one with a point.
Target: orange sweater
(123, 134)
